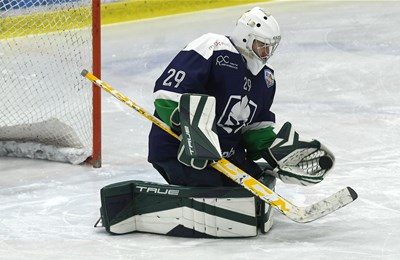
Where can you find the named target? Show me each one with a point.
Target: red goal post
(95, 159)
(47, 111)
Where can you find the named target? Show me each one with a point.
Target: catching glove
(298, 161)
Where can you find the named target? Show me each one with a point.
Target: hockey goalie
(216, 94)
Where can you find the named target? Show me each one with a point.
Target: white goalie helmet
(256, 36)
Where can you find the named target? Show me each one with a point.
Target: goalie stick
(285, 207)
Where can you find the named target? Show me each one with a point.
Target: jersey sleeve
(259, 136)
(268, 115)
(257, 140)
(188, 72)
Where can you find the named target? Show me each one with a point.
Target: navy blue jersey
(212, 65)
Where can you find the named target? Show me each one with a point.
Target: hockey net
(46, 107)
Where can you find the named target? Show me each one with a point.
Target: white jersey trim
(258, 125)
(164, 94)
(206, 44)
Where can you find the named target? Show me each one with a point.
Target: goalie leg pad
(266, 214)
(137, 206)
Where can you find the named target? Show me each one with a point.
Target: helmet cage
(267, 44)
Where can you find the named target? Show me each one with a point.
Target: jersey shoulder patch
(206, 44)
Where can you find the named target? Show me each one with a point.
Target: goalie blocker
(202, 212)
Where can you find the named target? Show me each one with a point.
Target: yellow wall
(18, 26)
(140, 9)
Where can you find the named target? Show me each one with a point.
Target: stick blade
(353, 193)
(325, 206)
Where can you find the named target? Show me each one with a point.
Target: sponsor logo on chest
(238, 112)
(224, 61)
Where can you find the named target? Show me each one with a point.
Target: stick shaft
(128, 102)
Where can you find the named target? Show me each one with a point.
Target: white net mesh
(44, 45)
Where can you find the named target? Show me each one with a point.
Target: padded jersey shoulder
(206, 44)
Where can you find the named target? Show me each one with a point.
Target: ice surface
(337, 71)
